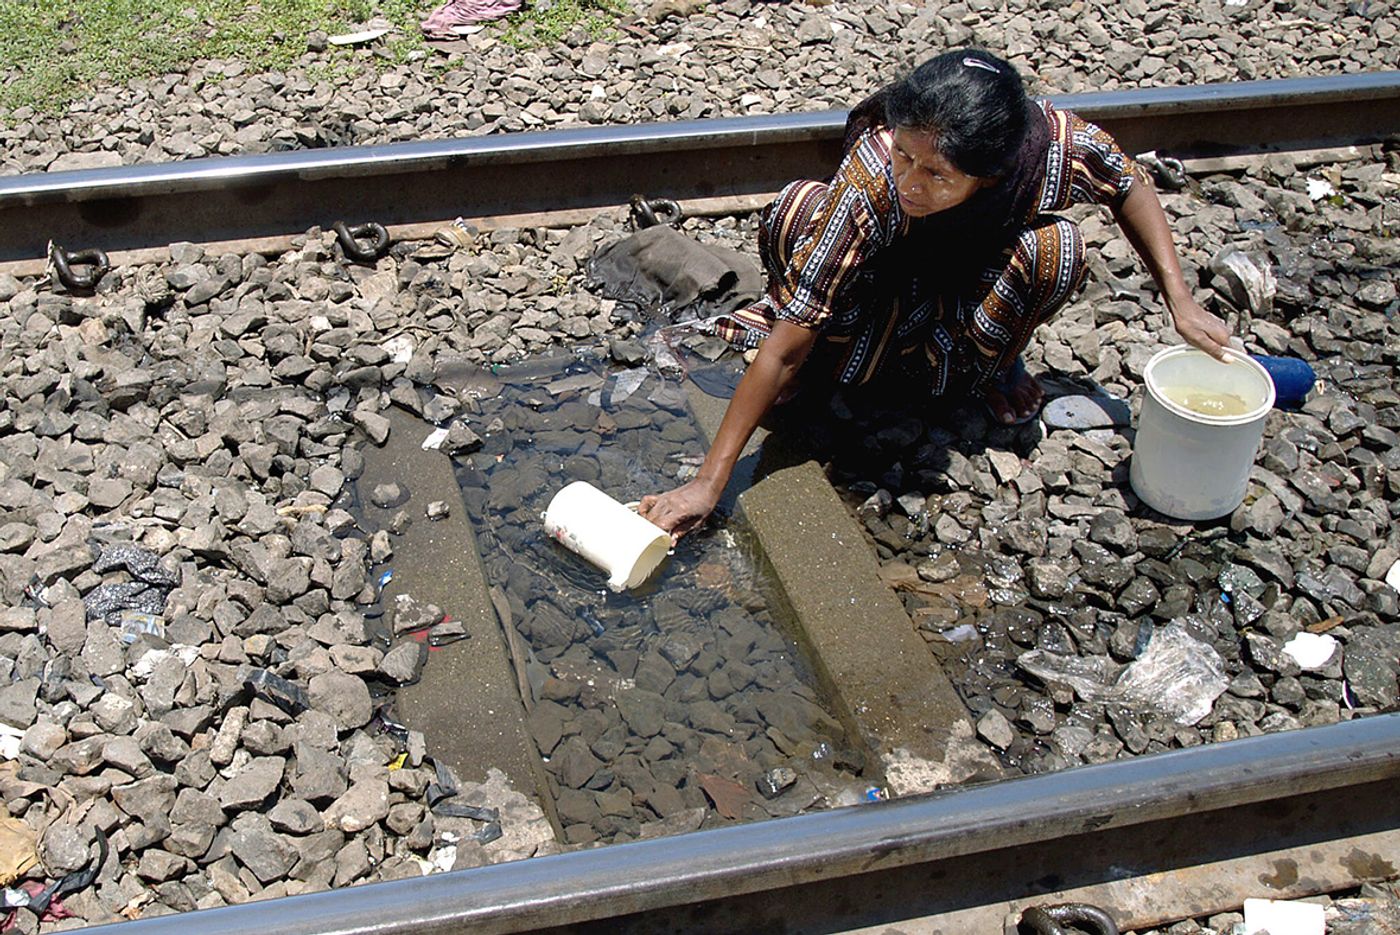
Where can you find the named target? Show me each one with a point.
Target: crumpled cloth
(17, 850)
(440, 22)
(662, 272)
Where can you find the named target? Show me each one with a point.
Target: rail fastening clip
(351, 241)
(1066, 918)
(650, 212)
(83, 279)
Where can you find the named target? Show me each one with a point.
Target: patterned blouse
(861, 216)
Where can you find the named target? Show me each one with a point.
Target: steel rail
(776, 857)
(239, 198)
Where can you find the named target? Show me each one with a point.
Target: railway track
(558, 177)
(1152, 839)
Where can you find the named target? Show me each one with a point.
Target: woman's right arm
(779, 358)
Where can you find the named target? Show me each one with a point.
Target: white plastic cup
(1187, 464)
(594, 525)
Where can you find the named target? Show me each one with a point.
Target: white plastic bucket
(1189, 464)
(607, 533)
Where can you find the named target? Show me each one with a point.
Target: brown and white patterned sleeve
(843, 233)
(1084, 165)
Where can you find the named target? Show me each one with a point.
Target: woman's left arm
(1144, 222)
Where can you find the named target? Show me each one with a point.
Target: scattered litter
(400, 349)
(1178, 675)
(442, 858)
(442, 23)
(876, 794)
(1319, 189)
(272, 688)
(444, 784)
(142, 669)
(134, 624)
(18, 852)
(143, 564)
(580, 382)
(1311, 650)
(43, 900)
(1245, 279)
(1322, 626)
(457, 235)
(1283, 917)
(590, 617)
(776, 781)
(434, 440)
(626, 383)
(474, 812)
(398, 761)
(1392, 577)
(385, 577)
(357, 38)
(446, 632)
(10, 739)
(962, 633)
(146, 594)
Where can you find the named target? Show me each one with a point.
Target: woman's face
(926, 181)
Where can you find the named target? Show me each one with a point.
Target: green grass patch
(54, 51)
(545, 22)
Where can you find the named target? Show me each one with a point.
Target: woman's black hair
(973, 102)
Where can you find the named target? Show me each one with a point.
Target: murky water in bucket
(1206, 402)
(679, 700)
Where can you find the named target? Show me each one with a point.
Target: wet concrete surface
(858, 635)
(466, 703)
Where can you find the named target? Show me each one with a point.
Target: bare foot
(1016, 399)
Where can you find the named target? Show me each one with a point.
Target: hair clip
(978, 63)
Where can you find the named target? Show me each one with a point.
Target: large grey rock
(254, 783)
(363, 804)
(344, 697)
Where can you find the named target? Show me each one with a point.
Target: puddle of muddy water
(681, 700)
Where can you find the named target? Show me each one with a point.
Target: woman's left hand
(1200, 328)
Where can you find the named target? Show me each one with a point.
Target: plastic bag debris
(42, 899)
(626, 383)
(1283, 917)
(434, 440)
(134, 624)
(1248, 281)
(1319, 189)
(107, 601)
(1392, 577)
(400, 349)
(10, 739)
(276, 690)
(776, 781)
(142, 564)
(1311, 650)
(145, 595)
(357, 38)
(1178, 675)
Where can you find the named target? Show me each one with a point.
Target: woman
(932, 247)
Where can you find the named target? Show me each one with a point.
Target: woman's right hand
(681, 510)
